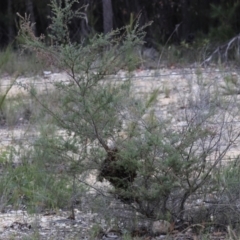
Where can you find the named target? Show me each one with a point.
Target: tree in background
(198, 17)
(107, 16)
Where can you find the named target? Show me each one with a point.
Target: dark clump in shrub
(118, 174)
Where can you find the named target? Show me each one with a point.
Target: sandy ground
(175, 86)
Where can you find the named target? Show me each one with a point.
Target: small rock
(47, 72)
(161, 227)
(110, 236)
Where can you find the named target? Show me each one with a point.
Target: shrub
(159, 169)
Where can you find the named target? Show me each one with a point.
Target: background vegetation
(186, 20)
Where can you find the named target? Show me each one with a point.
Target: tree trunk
(10, 22)
(107, 16)
(185, 20)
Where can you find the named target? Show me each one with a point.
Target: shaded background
(217, 20)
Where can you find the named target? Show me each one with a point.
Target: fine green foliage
(231, 85)
(226, 14)
(14, 62)
(101, 128)
(29, 181)
(90, 107)
(62, 16)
